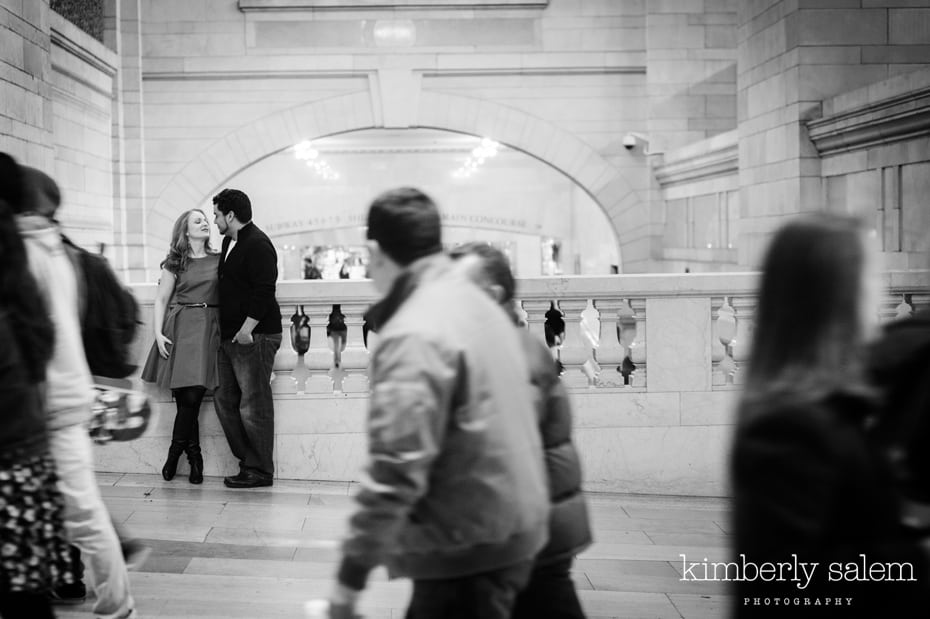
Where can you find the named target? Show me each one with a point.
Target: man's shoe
(73, 593)
(247, 480)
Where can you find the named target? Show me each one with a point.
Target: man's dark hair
(13, 188)
(406, 224)
(494, 264)
(235, 201)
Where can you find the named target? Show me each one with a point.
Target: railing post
(285, 361)
(745, 308)
(638, 344)
(319, 359)
(576, 350)
(609, 353)
(355, 357)
(536, 317)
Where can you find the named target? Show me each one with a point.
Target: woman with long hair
(809, 490)
(187, 335)
(34, 556)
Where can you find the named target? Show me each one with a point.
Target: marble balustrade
(661, 426)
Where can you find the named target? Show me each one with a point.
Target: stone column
(25, 63)
(791, 56)
(123, 34)
(691, 70)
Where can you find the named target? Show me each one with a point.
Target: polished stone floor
(259, 553)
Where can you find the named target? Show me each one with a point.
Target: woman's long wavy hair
(179, 253)
(20, 298)
(809, 330)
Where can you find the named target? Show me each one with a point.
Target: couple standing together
(217, 329)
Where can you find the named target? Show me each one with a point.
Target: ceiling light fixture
(485, 150)
(304, 151)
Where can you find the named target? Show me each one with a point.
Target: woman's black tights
(186, 427)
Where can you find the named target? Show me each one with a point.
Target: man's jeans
(489, 595)
(244, 402)
(87, 522)
(551, 593)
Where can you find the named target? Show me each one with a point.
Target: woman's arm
(162, 297)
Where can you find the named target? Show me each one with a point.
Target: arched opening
(312, 198)
(215, 166)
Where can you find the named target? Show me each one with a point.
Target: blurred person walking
(187, 335)
(250, 330)
(807, 487)
(34, 554)
(69, 396)
(551, 591)
(454, 493)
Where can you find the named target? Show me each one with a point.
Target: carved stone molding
(712, 158)
(891, 120)
(356, 5)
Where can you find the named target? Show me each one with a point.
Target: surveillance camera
(629, 141)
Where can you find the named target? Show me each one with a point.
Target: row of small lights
(484, 151)
(305, 152)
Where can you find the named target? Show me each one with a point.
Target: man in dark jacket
(454, 494)
(250, 329)
(551, 592)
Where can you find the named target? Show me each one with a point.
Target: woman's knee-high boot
(196, 459)
(171, 464)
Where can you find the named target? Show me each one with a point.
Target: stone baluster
(535, 311)
(319, 359)
(576, 352)
(724, 332)
(744, 309)
(355, 357)
(285, 360)
(610, 353)
(637, 341)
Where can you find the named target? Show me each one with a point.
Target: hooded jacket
(455, 484)
(569, 526)
(69, 390)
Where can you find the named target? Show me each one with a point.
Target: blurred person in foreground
(899, 365)
(551, 592)
(68, 399)
(807, 487)
(454, 493)
(183, 357)
(34, 554)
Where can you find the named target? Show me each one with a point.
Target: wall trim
(82, 46)
(712, 158)
(247, 6)
(890, 120)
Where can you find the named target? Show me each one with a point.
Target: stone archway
(536, 137)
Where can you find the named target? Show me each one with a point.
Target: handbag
(119, 414)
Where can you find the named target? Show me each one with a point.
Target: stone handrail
(662, 424)
(705, 319)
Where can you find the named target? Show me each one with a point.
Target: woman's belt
(194, 305)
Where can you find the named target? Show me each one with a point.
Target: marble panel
(689, 460)
(325, 457)
(147, 455)
(591, 409)
(320, 415)
(678, 344)
(709, 408)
